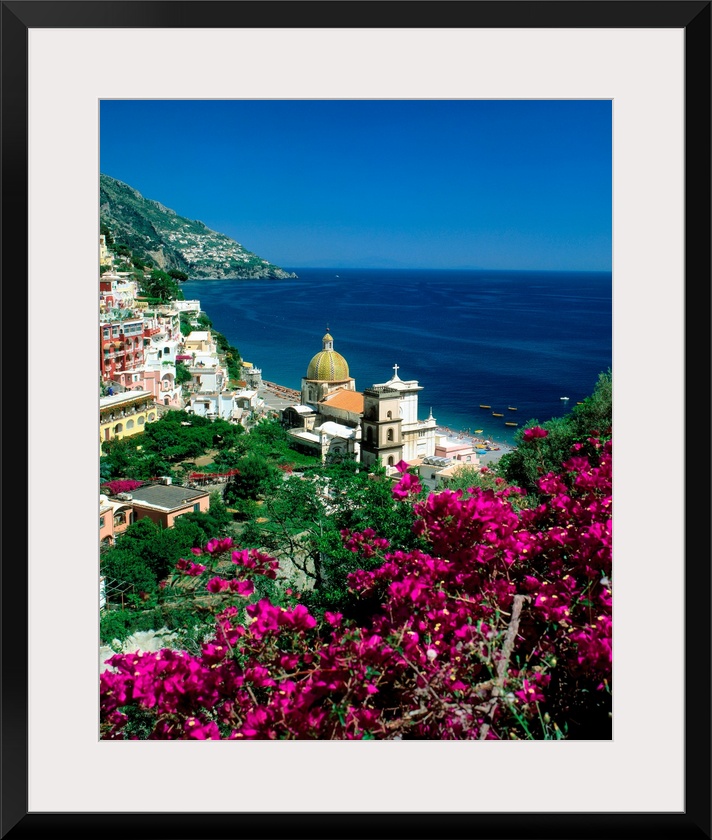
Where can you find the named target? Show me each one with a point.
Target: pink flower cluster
(365, 543)
(121, 485)
(503, 624)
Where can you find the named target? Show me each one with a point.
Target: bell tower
(381, 435)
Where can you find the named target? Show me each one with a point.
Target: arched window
(141, 421)
(389, 436)
(389, 415)
(151, 417)
(390, 460)
(129, 424)
(119, 427)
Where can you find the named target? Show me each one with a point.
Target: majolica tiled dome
(328, 365)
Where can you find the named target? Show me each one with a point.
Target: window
(141, 421)
(390, 460)
(101, 521)
(389, 436)
(196, 507)
(389, 415)
(129, 424)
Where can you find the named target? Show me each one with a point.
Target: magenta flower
(529, 693)
(534, 432)
(416, 659)
(217, 584)
(245, 588)
(218, 546)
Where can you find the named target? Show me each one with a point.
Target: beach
(495, 449)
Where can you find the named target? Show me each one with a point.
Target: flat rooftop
(166, 496)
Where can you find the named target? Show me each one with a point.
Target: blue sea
(500, 338)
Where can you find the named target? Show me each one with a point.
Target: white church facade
(379, 424)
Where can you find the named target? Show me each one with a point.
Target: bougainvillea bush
(121, 485)
(501, 630)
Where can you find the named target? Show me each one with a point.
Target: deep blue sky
(379, 183)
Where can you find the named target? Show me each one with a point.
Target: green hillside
(151, 230)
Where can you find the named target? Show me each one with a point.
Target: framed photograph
(60, 61)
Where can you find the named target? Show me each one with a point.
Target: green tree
(257, 477)
(145, 553)
(305, 517)
(105, 231)
(215, 522)
(183, 375)
(186, 328)
(161, 286)
(536, 457)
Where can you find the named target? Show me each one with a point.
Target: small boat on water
(479, 431)
(508, 423)
(494, 414)
(579, 403)
(485, 406)
(511, 408)
(563, 398)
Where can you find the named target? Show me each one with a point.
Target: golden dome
(328, 365)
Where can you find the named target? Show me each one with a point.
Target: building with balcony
(121, 349)
(124, 415)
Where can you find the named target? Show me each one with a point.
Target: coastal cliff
(153, 231)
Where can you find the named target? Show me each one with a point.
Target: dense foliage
(302, 521)
(498, 626)
(176, 436)
(535, 456)
(145, 553)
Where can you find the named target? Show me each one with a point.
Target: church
(379, 424)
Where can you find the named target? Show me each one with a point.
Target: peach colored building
(164, 503)
(114, 518)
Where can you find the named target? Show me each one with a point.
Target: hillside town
(160, 356)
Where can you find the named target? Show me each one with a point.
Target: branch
(503, 663)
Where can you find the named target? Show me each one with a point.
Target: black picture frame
(694, 17)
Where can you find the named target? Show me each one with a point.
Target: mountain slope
(172, 241)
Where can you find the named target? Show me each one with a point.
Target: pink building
(121, 356)
(457, 450)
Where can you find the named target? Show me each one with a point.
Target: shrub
(501, 629)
